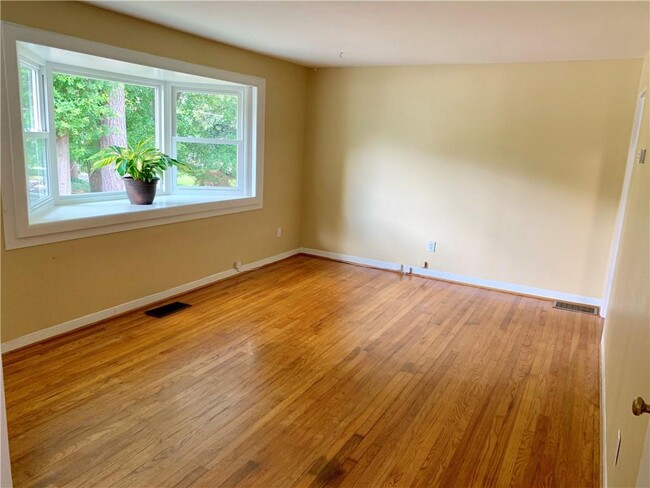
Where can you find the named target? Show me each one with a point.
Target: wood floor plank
(314, 373)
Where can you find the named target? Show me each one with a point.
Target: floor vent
(574, 307)
(170, 308)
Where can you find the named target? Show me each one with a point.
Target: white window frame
(71, 217)
(50, 70)
(243, 128)
(41, 123)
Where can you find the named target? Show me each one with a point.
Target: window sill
(72, 221)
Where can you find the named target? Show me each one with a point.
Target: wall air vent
(574, 307)
(170, 308)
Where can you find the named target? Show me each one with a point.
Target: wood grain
(314, 373)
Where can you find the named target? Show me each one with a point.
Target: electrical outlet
(278, 232)
(431, 246)
(618, 446)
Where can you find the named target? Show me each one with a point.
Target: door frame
(622, 205)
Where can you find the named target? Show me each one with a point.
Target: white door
(626, 339)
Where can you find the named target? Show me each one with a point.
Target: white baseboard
(458, 278)
(156, 297)
(92, 318)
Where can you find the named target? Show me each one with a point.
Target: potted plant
(140, 166)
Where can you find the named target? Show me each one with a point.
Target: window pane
(29, 97)
(36, 164)
(206, 115)
(215, 165)
(91, 114)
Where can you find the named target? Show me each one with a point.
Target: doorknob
(639, 406)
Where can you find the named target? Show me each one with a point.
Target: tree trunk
(63, 164)
(108, 178)
(95, 180)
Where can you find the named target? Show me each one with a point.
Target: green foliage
(209, 116)
(214, 164)
(80, 105)
(35, 159)
(25, 96)
(80, 186)
(141, 161)
(206, 115)
(186, 180)
(140, 113)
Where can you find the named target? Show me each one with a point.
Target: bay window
(71, 103)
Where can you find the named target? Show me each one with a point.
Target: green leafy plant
(140, 161)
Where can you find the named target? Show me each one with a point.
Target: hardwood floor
(314, 373)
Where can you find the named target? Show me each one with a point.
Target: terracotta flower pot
(140, 192)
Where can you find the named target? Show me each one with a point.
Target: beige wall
(626, 338)
(515, 170)
(51, 284)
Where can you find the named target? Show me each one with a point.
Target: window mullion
(53, 174)
(45, 125)
(36, 99)
(173, 172)
(240, 116)
(170, 132)
(162, 132)
(241, 170)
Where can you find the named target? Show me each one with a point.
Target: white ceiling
(411, 33)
